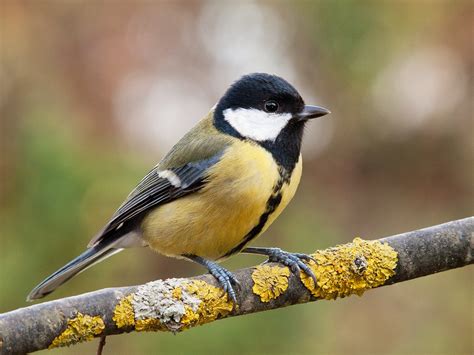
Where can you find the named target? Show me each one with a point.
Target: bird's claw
(226, 280)
(293, 260)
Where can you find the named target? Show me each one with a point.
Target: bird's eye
(271, 106)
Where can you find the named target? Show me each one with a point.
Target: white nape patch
(257, 124)
(171, 177)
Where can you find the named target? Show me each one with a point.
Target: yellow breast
(214, 220)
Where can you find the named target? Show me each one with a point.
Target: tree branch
(178, 304)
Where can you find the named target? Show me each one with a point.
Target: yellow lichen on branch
(123, 313)
(171, 305)
(350, 269)
(178, 304)
(149, 325)
(214, 302)
(270, 281)
(81, 328)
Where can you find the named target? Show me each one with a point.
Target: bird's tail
(88, 258)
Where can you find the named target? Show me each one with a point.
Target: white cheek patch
(171, 177)
(256, 124)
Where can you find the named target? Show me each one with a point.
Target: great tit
(219, 187)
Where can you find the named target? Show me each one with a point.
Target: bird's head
(261, 107)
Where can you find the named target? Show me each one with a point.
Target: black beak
(310, 111)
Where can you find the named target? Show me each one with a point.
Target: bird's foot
(226, 280)
(295, 261)
(223, 276)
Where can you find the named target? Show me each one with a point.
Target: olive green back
(201, 142)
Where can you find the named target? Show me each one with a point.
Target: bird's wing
(156, 188)
(181, 172)
(159, 186)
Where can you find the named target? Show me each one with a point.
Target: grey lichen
(165, 301)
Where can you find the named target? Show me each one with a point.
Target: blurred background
(93, 94)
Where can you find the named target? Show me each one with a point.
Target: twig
(100, 348)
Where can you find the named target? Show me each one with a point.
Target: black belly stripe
(272, 204)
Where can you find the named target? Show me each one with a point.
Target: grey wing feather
(154, 190)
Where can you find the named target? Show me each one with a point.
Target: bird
(218, 188)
